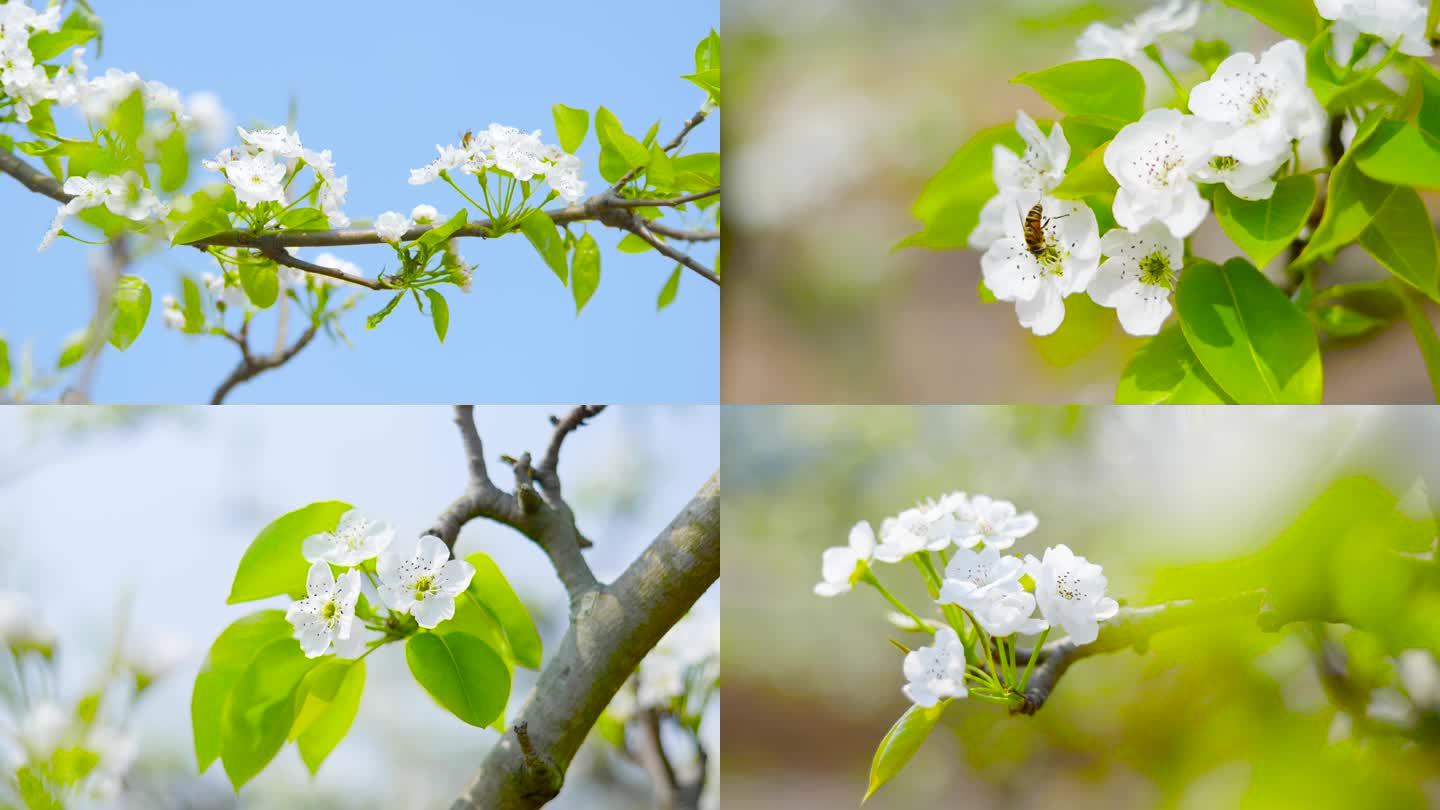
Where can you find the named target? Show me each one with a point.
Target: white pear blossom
(391, 226)
(1266, 103)
(936, 672)
(995, 523)
(839, 565)
(520, 154)
(205, 113)
(974, 578)
(174, 316)
(356, 539)
(1393, 21)
(1153, 160)
(278, 141)
(43, 728)
(226, 294)
(257, 179)
(1070, 591)
(123, 196)
(1009, 612)
(1041, 169)
(1248, 181)
(1138, 275)
(20, 624)
(332, 197)
(424, 584)
(1129, 41)
(424, 215)
(1038, 279)
(327, 613)
(910, 532)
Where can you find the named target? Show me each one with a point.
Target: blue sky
(380, 85)
(213, 477)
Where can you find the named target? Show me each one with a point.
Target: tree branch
(670, 202)
(548, 472)
(281, 256)
(683, 234)
(252, 365)
(611, 630)
(1133, 627)
(31, 178)
(638, 226)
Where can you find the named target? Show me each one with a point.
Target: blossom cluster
(422, 584)
(1251, 121)
(261, 169)
(998, 594)
(519, 154)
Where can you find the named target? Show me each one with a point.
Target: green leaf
(1352, 199)
(493, 591)
(231, 653)
(373, 320)
(261, 709)
(667, 293)
(128, 118)
(1402, 238)
(174, 160)
(261, 283)
(79, 28)
(545, 238)
(571, 126)
(462, 673)
(1108, 89)
(619, 152)
(1252, 339)
(1164, 371)
(1337, 88)
(633, 244)
(439, 313)
(200, 229)
(661, 171)
(1355, 310)
(1088, 177)
(437, 236)
(707, 80)
(304, 219)
(191, 306)
(584, 271)
(74, 348)
(901, 742)
(707, 52)
(1296, 19)
(273, 564)
(949, 205)
(130, 308)
(4, 364)
(1403, 154)
(325, 707)
(1264, 228)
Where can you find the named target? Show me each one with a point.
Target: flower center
(329, 612)
(1068, 588)
(1259, 105)
(1155, 270)
(1223, 163)
(424, 586)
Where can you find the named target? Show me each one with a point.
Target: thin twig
(641, 228)
(694, 121)
(281, 256)
(252, 365)
(670, 202)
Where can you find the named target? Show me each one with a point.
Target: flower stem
(1034, 654)
(1181, 93)
(869, 579)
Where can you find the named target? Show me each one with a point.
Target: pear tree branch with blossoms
(987, 598)
(272, 195)
(1324, 140)
(298, 674)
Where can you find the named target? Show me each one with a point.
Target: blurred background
(841, 111)
(1328, 508)
(127, 523)
(381, 91)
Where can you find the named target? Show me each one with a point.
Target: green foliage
(1296, 19)
(74, 348)
(462, 673)
(1265, 228)
(273, 564)
(261, 282)
(79, 27)
(707, 67)
(1108, 90)
(325, 706)
(1165, 371)
(571, 126)
(130, 307)
(901, 743)
(949, 205)
(439, 313)
(1251, 339)
(1355, 310)
(584, 271)
(493, 592)
(668, 292)
(545, 237)
(619, 151)
(4, 363)
(1088, 178)
(229, 656)
(260, 709)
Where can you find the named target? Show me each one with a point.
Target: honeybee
(1034, 226)
(467, 138)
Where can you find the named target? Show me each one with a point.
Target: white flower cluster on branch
(520, 154)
